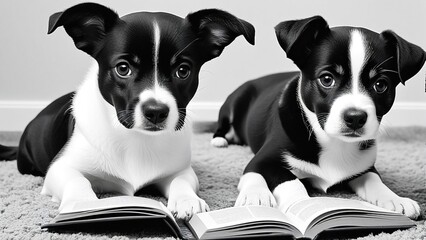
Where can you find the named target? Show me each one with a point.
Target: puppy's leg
(181, 191)
(370, 187)
(289, 192)
(67, 185)
(267, 171)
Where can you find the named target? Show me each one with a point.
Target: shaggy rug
(401, 161)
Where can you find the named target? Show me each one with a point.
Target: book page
(242, 221)
(308, 209)
(115, 202)
(239, 215)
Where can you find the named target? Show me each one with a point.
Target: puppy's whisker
(185, 111)
(123, 114)
(182, 112)
(186, 118)
(322, 117)
(126, 116)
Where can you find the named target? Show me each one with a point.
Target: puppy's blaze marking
(156, 52)
(357, 56)
(157, 92)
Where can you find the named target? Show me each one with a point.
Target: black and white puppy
(319, 124)
(126, 126)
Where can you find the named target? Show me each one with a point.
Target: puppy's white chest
(338, 161)
(143, 162)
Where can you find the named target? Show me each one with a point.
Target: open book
(118, 213)
(309, 218)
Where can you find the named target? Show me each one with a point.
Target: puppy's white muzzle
(156, 111)
(352, 118)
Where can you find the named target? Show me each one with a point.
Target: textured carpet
(401, 161)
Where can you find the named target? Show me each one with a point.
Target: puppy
(319, 124)
(126, 126)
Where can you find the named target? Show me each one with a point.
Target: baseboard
(15, 115)
(406, 114)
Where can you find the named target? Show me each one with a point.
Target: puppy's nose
(154, 111)
(355, 118)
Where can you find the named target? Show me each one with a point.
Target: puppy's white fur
(160, 95)
(371, 188)
(104, 156)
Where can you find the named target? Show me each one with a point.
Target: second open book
(304, 219)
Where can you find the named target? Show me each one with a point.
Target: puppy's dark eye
(327, 81)
(380, 86)
(123, 70)
(183, 71)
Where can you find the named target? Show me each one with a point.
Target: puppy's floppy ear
(216, 29)
(410, 57)
(86, 23)
(297, 37)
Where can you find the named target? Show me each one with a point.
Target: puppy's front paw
(258, 196)
(219, 142)
(184, 207)
(406, 206)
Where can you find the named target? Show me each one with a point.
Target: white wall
(36, 68)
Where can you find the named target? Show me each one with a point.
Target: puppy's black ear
(410, 57)
(86, 23)
(216, 29)
(297, 37)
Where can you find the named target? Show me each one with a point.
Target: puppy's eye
(183, 71)
(123, 70)
(380, 86)
(327, 81)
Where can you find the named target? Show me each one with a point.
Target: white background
(36, 68)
